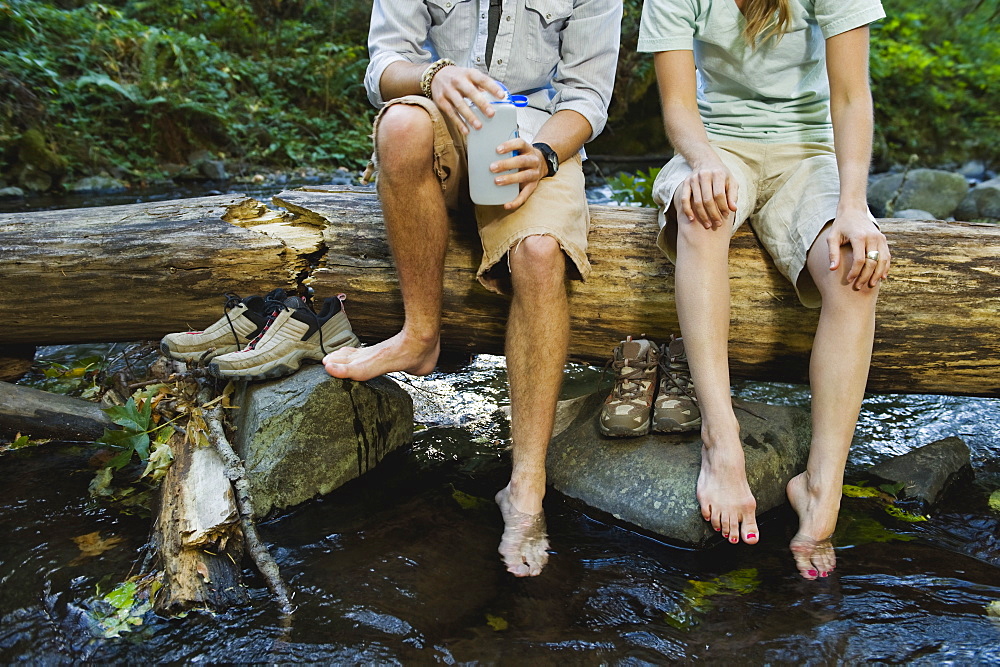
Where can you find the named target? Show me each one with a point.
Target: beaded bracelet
(428, 76)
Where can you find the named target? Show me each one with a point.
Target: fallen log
(41, 414)
(141, 271)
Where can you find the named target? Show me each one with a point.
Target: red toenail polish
(812, 573)
(750, 536)
(823, 574)
(734, 540)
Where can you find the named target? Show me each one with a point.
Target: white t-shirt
(777, 93)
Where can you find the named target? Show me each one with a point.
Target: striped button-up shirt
(562, 54)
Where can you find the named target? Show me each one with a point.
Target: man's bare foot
(524, 545)
(814, 556)
(724, 493)
(399, 353)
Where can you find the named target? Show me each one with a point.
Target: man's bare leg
(838, 371)
(537, 341)
(416, 222)
(702, 296)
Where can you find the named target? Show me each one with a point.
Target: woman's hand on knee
(869, 249)
(708, 196)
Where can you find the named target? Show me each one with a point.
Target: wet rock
(103, 184)
(38, 167)
(933, 190)
(307, 434)
(913, 214)
(926, 472)
(213, 170)
(650, 481)
(983, 201)
(974, 170)
(11, 193)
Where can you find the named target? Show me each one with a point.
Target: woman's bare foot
(524, 545)
(817, 510)
(724, 493)
(399, 353)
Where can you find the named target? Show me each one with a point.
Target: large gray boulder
(926, 472)
(650, 481)
(983, 201)
(307, 434)
(938, 192)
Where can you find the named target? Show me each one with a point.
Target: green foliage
(138, 423)
(935, 71)
(634, 190)
(146, 83)
(886, 495)
(77, 378)
(123, 608)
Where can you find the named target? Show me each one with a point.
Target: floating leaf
(498, 623)
(468, 502)
(92, 544)
(101, 484)
(993, 609)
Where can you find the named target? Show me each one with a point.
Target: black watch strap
(551, 158)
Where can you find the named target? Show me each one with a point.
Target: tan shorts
(789, 191)
(557, 207)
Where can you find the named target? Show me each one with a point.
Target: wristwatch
(551, 159)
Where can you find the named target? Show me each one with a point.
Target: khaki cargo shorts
(557, 207)
(788, 191)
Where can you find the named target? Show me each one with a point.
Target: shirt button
(509, 17)
(482, 16)
(499, 61)
(478, 59)
(447, 5)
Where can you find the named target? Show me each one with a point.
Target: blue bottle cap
(518, 100)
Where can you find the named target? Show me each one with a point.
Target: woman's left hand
(870, 250)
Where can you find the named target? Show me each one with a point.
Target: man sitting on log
(430, 60)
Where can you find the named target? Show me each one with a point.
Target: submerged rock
(650, 481)
(926, 472)
(307, 434)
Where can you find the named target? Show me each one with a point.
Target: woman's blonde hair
(765, 19)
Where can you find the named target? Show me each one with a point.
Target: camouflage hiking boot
(242, 321)
(676, 407)
(626, 411)
(293, 333)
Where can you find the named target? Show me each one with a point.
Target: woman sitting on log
(768, 107)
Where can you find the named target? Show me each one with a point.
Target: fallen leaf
(92, 544)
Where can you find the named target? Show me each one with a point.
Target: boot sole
(285, 365)
(673, 427)
(620, 432)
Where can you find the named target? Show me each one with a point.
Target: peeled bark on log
(197, 534)
(40, 414)
(144, 270)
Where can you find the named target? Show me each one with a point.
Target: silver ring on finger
(872, 255)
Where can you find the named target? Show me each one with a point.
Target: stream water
(400, 565)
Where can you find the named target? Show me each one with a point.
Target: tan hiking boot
(626, 411)
(676, 407)
(294, 333)
(242, 321)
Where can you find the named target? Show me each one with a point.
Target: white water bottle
(482, 151)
